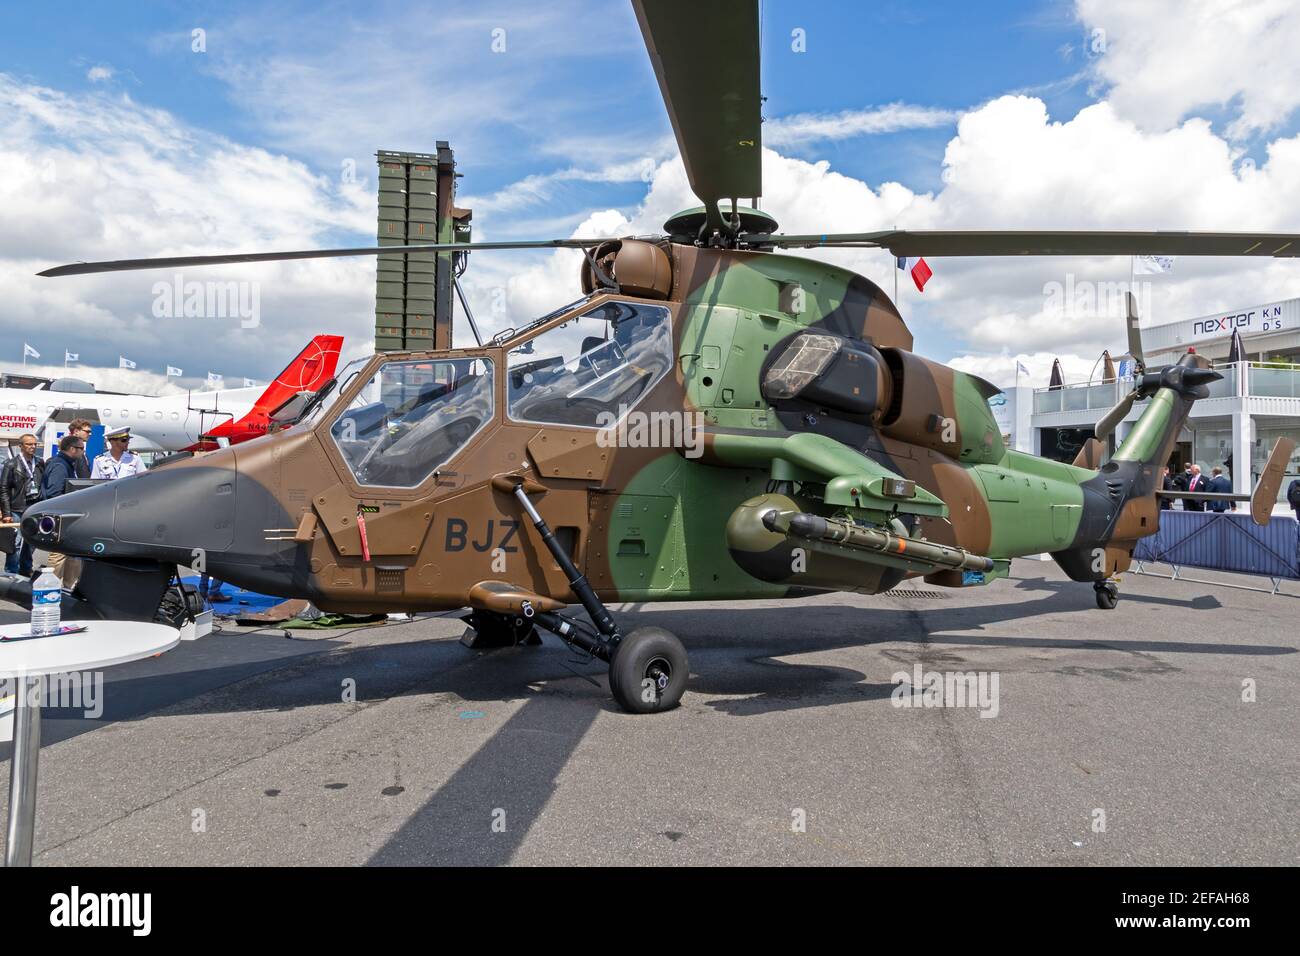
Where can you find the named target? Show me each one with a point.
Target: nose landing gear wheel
(1107, 594)
(648, 671)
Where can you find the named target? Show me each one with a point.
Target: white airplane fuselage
(164, 423)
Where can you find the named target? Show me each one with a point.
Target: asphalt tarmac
(1111, 737)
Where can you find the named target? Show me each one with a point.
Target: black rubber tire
(648, 654)
(1107, 596)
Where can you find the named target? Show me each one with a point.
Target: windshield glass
(412, 417)
(509, 334)
(341, 382)
(591, 369)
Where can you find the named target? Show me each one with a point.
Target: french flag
(919, 269)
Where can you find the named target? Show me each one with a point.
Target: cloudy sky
(124, 133)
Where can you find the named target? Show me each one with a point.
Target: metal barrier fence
(1224, 541)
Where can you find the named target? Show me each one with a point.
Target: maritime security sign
(14, 424)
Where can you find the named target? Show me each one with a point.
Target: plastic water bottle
(47, 600)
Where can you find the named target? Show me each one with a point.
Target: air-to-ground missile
(874, 539)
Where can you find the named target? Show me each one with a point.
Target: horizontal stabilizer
(1270, 480)
(1090, 454)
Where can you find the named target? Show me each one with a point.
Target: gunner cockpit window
(603, 361)
(413, 417)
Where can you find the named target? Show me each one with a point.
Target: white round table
(27, 662)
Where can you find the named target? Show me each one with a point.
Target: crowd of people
(27, 478)
(1192, 480)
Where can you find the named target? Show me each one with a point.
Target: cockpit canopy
(589, 370)
(412, 417)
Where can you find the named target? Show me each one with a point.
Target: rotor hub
(687, 225)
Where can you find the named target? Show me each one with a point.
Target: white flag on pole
(1152, 265)
(1020, 367)
(174, 372)
(214, 380)
(71, 356)
(123, 362)
(28, 350)
(249, 383)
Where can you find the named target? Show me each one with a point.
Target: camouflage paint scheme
(279, 514)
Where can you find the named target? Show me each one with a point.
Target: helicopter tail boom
(1120, 503)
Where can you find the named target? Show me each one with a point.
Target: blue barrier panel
(1226, 541)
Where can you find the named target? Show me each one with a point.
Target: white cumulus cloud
(802, 129)
(1164, 59)
(100, 176)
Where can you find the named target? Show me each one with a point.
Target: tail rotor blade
(1135, 332)
(1116, 415)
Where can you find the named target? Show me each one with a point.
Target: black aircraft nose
(54, 523)
(162, 515)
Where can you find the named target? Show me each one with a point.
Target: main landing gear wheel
(648, 671)
(1107, 594)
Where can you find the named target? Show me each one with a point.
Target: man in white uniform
(118, 461)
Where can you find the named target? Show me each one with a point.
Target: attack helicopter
(818, 452)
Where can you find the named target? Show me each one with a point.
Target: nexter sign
(1258, 320)
(1267, 317)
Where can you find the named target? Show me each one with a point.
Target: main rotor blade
(170, 262)
(705, 56)
(946, 242)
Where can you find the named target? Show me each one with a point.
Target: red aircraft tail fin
(311, 369)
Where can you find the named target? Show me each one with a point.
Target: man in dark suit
(20, 487)
(1293, 497)
(1220, 484)
(81, 428)
(1166, 484)
(59, 470)
(1180, 482)
(1195, 483)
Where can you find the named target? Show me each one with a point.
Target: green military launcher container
(413, 291)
